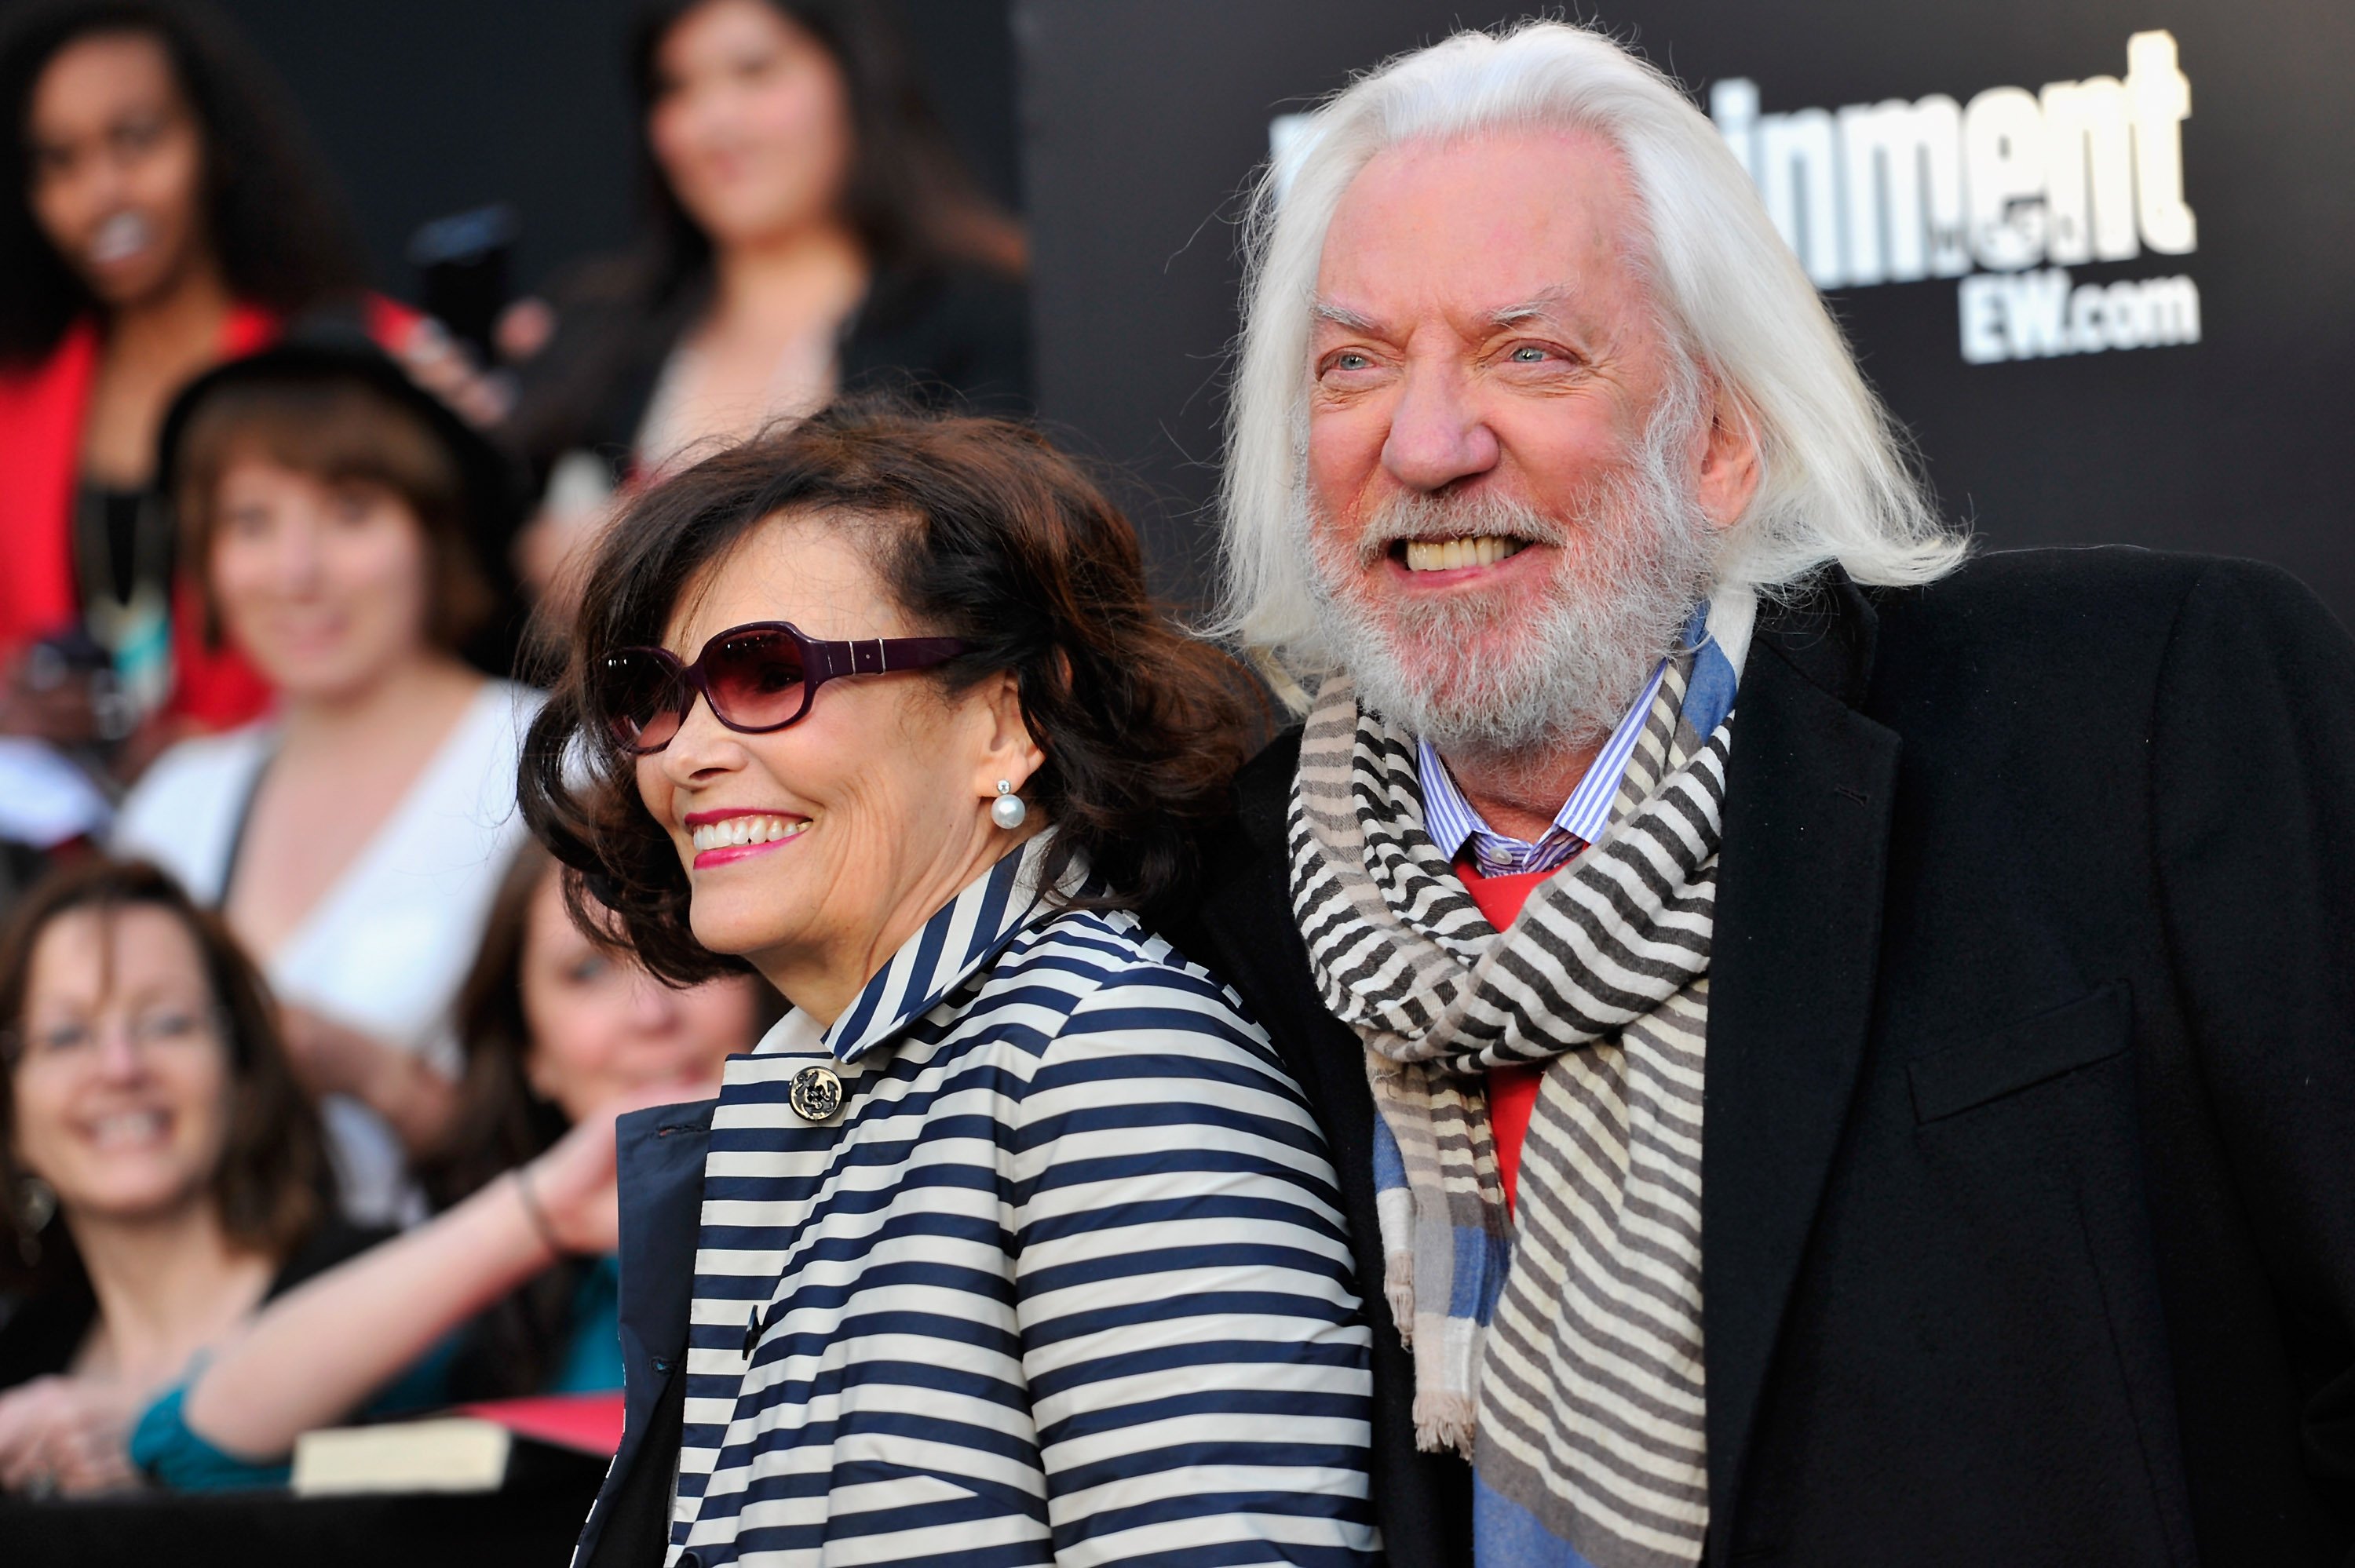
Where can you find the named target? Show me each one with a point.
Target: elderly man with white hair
(1835, 1054)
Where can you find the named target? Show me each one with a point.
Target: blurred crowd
(284, 984)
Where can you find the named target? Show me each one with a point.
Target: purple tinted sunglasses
(758, 677)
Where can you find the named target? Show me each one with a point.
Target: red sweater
(1512, 1091)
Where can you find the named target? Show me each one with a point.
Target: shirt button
(815, 1094)
(690, 1560)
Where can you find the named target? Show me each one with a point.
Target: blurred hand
(440, 364)
(522, 329)
(332, 1058)
(68, 1434)
(573, 1182)
(42, 701)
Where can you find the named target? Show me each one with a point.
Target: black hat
(331, 352)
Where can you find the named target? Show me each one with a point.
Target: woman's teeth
(1447, 555)
(746, 831)
(128, 1127)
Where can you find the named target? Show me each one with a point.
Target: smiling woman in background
(810, 232)
(164, 1174)
(160, 215)
(354, 843)
(513, 1288)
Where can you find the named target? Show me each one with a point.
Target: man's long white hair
(1836, 481)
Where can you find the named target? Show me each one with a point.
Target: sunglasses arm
(879, 655)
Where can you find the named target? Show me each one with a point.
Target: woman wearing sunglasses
(1013, 1239)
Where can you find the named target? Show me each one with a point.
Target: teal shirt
(593, 1355)
(168, 1449)
(165, 1449)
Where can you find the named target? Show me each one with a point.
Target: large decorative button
(816, 1095)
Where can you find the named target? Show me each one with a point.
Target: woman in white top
(354, 840)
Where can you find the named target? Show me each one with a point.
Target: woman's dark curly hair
(982, 531)
(274, 1186)
(278, 229)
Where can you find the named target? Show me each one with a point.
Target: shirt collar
(1451, 821)
(962, 936)
(1719, 629)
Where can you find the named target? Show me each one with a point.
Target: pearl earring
(1008, 810)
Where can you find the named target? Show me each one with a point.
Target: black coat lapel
(1793, 961)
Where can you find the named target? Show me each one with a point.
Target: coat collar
(962, 936)
(1801, 876)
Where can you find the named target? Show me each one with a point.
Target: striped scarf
(1564, 1358)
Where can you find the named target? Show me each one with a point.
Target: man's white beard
(1635, 559)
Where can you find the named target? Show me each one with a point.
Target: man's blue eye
(1351, 362)
(1526, 355)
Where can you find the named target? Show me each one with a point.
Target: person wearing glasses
(1012, 1238)
(511, 1288)
(163, 1172)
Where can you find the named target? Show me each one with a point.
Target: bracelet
(537, 1215)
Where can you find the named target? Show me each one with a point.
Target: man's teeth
(1446, 554)
(746, 831)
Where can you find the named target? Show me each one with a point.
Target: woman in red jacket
(160, 217)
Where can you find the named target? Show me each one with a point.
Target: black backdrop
(1138, 122)
(428, 107)
(1142, 120)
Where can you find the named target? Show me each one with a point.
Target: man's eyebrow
(1535, 307)
(1343, 316)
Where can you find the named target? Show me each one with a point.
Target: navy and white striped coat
(1065, 1280)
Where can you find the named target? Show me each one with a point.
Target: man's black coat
(2028, 1155)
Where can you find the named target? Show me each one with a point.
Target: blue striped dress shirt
(1451, 821)
(1064, 1280)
